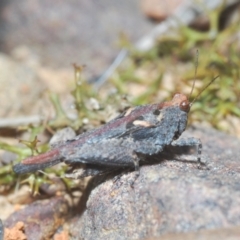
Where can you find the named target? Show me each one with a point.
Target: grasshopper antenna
(203, 90)
(195, 74)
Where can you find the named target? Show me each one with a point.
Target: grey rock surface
(231, 233)
(169, 196)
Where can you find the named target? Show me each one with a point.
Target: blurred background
(40, 40)
(55, 58)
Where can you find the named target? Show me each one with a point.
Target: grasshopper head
(181, 101)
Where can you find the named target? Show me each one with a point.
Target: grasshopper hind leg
(191, 142)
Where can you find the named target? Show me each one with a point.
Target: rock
(15, 233)
(168, 197)
(40, 219)
(232, 233)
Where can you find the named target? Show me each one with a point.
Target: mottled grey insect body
(120, 149)
(123, 142)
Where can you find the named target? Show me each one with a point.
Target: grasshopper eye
(185, 106)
